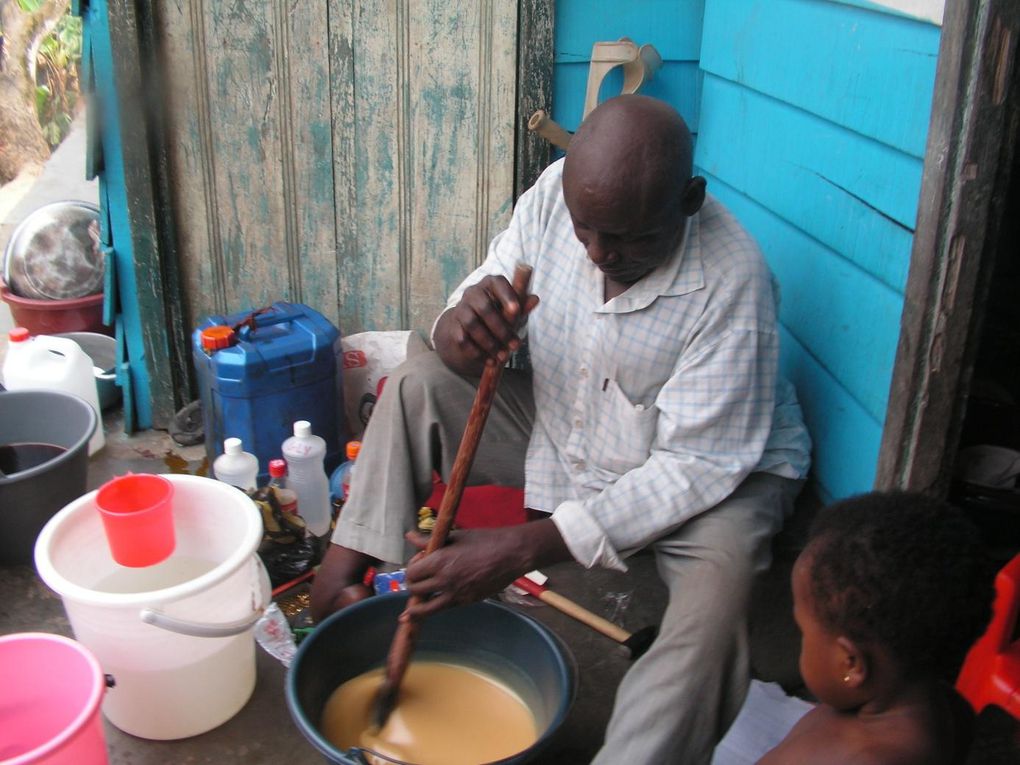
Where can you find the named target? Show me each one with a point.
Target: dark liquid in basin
(22, 456)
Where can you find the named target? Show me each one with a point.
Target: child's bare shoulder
(809, 741)
(826, 737)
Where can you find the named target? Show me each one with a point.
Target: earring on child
(846, 679)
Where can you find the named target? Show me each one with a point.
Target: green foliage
(57, 88)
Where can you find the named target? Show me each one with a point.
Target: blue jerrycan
(261, 371)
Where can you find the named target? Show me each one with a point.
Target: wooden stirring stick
(407, 631)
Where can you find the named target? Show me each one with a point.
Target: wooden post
(971, 141)
(534, 88)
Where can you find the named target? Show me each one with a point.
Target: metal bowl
(55, 253)
(102, 349)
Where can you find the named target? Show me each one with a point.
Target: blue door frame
(118, 155)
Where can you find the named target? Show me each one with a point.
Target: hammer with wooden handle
(636, 643)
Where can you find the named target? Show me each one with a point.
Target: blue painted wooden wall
(812, 117)
(672, 26)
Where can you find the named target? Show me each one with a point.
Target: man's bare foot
(339, 580)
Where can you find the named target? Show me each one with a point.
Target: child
(889, 594)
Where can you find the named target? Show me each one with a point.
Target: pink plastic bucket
(52, 687)
(138, 518)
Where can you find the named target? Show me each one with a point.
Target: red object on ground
(277, 591)
(991, 671)
(53, 317)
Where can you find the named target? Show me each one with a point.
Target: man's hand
(477, 563)
(482, 326)
(338, 582)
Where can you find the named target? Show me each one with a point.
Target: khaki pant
(678, 699)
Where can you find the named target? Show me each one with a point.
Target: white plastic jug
(306, 476)
(236, 466)
(46, 362)
(177, 636)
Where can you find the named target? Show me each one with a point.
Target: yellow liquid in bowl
(446, 714)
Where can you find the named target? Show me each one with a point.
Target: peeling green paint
(271, 154)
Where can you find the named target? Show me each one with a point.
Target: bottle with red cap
(286, 497)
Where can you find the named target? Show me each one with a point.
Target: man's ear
(693, 196)
(853, 662)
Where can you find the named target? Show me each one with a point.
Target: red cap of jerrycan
(137, 514)
(215, 338)
(18, 335)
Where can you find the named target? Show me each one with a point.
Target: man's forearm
(545, 545)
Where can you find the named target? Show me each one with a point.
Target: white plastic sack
(367, 358)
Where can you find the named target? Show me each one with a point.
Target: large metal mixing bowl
(54, 253)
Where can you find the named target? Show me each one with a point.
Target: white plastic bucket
(176, 636)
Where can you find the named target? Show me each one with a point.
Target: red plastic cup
(138, 519)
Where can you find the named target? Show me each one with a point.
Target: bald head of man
(627, 184)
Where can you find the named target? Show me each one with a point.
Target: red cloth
(483, 507)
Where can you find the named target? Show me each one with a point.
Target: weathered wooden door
(354, 155)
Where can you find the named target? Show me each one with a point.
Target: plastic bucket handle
(226, 629)
(197, 629)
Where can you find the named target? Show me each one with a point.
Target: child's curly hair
(903, 571)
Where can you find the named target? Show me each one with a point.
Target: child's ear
(853, 662)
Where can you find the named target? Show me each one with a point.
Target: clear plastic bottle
(353, 448)
(45, 362)
(306, 475)
(236, 466)
(340, 481)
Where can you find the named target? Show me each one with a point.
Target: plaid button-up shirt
(654, 406)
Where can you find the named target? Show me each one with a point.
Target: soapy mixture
(446, 715)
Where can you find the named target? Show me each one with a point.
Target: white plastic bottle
(236, 466)
(45, 362)
(306, 476)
